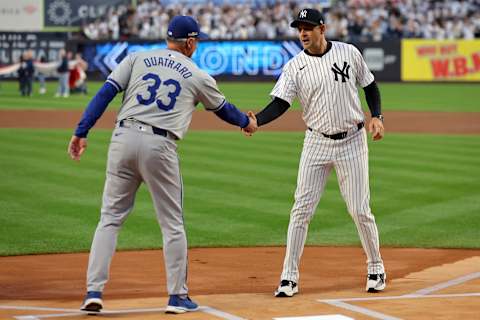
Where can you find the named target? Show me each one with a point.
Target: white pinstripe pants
(349, 157)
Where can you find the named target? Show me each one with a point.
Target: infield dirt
(240, 282)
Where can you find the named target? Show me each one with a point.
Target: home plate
(324, 317)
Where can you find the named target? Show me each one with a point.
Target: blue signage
(230, 58)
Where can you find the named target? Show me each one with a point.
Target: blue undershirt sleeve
(229, 113)
(95, 109)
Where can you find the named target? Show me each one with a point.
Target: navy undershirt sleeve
(95, 109)
(272, 111)
(229, 113)
(372, 95)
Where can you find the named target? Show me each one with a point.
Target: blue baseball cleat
(180, 305)
(92, 302)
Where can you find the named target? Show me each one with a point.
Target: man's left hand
(375, 127)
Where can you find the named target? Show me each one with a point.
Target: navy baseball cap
(183, 27)
(311, 16)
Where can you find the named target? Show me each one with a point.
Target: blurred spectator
(91, 30)
(21, 75)
(41, 78)
(78, 78)
(114, 25)
(128, 24)
(467, 30)
(356, 28)
(25, 73)
(63, 74)
(337, 27)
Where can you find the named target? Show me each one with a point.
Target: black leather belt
(340, 135)
(155, 130)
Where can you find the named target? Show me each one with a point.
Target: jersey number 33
(152, 92)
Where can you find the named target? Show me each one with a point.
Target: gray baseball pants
(137, 155)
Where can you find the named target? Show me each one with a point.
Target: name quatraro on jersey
(168, 63)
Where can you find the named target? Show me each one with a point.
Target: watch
(379, 117)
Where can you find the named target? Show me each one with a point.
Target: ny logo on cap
(302, 14)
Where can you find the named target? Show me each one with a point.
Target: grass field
(255, 95)
(238, 192)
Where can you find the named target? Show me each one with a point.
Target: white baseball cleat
(286, 288)
(376, 282)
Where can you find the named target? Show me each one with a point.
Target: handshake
(252, 126)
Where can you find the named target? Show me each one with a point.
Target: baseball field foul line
(406, 296)
(37, 308)
(447, 284)
(365, 311)
(73, 312)
(57, 315)
(341, 303)
(220, 314)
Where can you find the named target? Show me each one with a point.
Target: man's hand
(76, 147)
(375, 127)
(252, 126)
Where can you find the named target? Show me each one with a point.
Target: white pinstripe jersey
(326, 87)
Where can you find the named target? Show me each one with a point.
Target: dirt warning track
(395, 121)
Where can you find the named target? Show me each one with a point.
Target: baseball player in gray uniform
(161, 89)
(324, 77)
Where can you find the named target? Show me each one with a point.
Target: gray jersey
(162, 88)
(330, 102)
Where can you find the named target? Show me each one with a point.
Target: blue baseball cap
(183, 27)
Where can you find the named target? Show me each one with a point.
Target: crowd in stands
(352, 20)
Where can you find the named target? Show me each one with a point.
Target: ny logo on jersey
(303, 14)
(343, 72)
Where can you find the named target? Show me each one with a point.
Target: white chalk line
(221, 314)
(56, 315)
(341, 303)
(447, 284)
(415, 295)
(362, 310)
(406, 296)
(7, 307)
(74, 312)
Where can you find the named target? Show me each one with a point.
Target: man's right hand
(76, 147)
(252, 125)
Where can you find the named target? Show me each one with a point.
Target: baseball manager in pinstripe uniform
(161, 90)
(324, 77)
